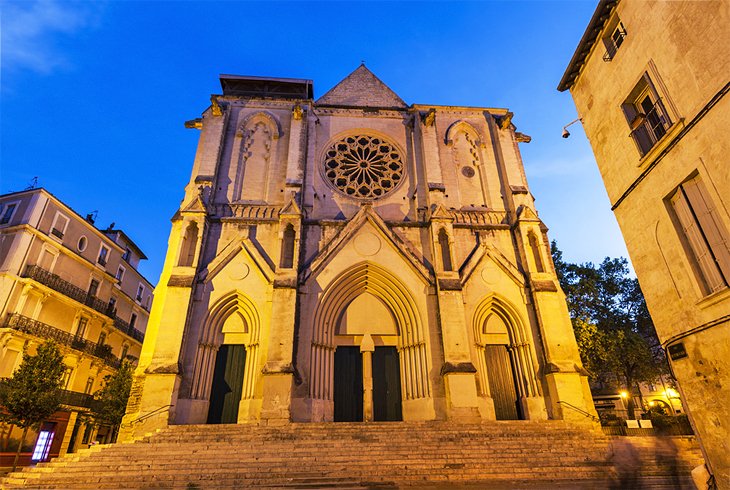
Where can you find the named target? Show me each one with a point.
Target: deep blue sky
(94, 94)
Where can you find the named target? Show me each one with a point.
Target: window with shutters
(704, 233)
(646, 115)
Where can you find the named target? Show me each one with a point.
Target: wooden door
(502, 382)
(225, 394)
(348, 384)
(386, 385)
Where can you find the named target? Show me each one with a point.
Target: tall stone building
(650, 82)
(62, 279)
(355, 258)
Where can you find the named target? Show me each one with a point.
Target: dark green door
(386, 384)
(225, 395)
(348, 384)
(502, 382)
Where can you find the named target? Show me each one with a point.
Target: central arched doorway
(368, 349)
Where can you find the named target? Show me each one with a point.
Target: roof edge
(595, 26)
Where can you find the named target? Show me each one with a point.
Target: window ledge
(673, 131)
(714, 298)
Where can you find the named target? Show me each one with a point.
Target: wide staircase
(433, 455)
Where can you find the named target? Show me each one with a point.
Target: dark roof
(127, 241)
(280, 88)
(595, 26)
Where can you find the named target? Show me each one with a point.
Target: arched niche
(466, 144)
(189, 245)
(259, 133)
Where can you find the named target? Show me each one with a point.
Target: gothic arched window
(287, 248)
(445, 250)
(190, 240)
(535, 249)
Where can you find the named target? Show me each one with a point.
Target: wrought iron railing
(64, 287)
(45, 331)
(649, 128)
(125, 327)
(77, 399)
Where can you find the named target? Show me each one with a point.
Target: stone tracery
(363, 166)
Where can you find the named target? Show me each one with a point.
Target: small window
(646, 114)
(616, 33)
(81, 328)
(140, 292)
(287, 248)
(60, 223)
(190, 241)
(102, 338)
(103, 255)
(93, 287)
(89, 386)
(120, 273)
(445, 250)
(83, 242)
(7, 213)
(127, 254)
(133, 320)
(125, 349)
(704, 232)
(66, 378)
(535, 249)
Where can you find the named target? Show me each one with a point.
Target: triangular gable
(484, 251)
(362, 88)
(233, 248)
(441, 213)
(365, 215)
(291, 209)
(196, 205)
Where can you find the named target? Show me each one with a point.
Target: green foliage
(32, 394)
(113, 395)
(615, 334)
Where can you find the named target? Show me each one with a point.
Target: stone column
(367, 347)
(69, 432)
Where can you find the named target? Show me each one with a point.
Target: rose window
(364, 167)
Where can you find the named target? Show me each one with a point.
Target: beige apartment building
(650, 81)
(63, 279)
(356, 258)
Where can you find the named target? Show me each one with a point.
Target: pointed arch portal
(398, 372)
(505, 365)
(227, 356)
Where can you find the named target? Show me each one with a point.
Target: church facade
(355, 258)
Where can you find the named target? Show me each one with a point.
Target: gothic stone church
(355, 258)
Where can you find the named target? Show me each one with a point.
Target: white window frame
(106, 259)
(51, 250)
(4, 211)
(120, 277)
(140, 293)
(60, 217)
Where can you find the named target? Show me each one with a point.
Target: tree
(112, 397)
(32, 394)
(613, 328)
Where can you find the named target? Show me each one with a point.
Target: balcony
(84, 297)
(39, 329)
(649, 128)
(76, 399)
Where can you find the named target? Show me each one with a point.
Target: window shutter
(710, 223)
(708, 268)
